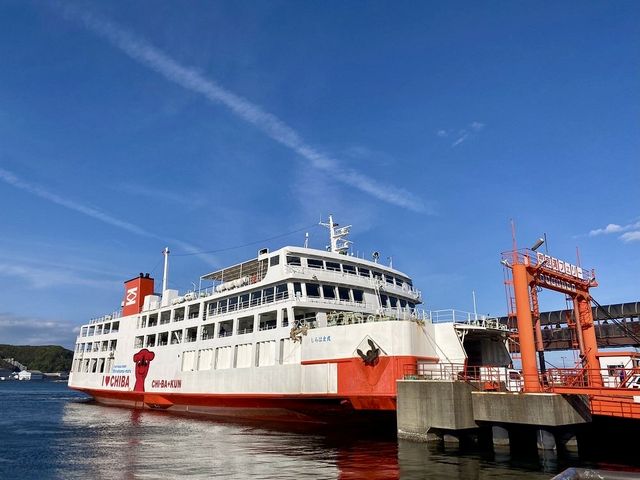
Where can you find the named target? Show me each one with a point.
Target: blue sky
(128, 126)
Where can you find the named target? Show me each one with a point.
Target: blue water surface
(50, 432)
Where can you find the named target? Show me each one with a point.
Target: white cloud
(611, 228)
(614, 228)
(477, 126)
(146, 54)
(39, 277)
(630, 232)
(630, 237)
(20, 330)
(442, 133)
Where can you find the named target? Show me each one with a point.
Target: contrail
(10, 178)
(143, 52)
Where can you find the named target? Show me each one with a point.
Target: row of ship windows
(226, 328)
(255, 298)
(347, 268)
(260, 354)
(101, 329)
(93, 365)
(104, 346)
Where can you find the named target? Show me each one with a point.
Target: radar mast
(337, 236)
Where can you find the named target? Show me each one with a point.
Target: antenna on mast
(165, 273)
(337, 235)
(475, 308)
(306, 240)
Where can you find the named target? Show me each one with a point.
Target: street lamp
(538, 244)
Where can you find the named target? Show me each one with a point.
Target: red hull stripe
(297, 402)
(350, 359)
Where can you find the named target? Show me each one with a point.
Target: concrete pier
(429, 405)
(550, 409)
(452, 411)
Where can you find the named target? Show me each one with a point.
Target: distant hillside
(47, 358)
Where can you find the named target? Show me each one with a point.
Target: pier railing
(485, 378)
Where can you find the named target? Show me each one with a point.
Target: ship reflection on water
(120, 443)
(52, 432)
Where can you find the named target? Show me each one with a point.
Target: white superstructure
(294, 330)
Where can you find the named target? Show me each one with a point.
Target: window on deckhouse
(268, 320)
(176, 337)
(313, 290)
(333, 266)
(208, 331)
(346, 268)
(267, 295)
(358, 295)
(233, 304)
(178, 314)
(225, 329)
(328, 291)
(281, 291)
(383, 300)
(314, 263)
(194, 311)
(245, 325)
(191, 334)
(343, 293)
(293, 260)
(244, 301)
(256, 297)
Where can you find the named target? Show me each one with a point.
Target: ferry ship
(296, 333)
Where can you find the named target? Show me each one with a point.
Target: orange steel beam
(578, 330)
(608, 392)
(615, 407)
(536, 318)
(585, 323)
(521, 280)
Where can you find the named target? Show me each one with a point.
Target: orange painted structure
(527, 272)
(135, 290)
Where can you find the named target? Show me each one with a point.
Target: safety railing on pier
(484, 378)
(606, 379)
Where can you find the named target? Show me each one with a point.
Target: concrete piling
(500, 436)
(545, 440)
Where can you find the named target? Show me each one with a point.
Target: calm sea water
(48, 431)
